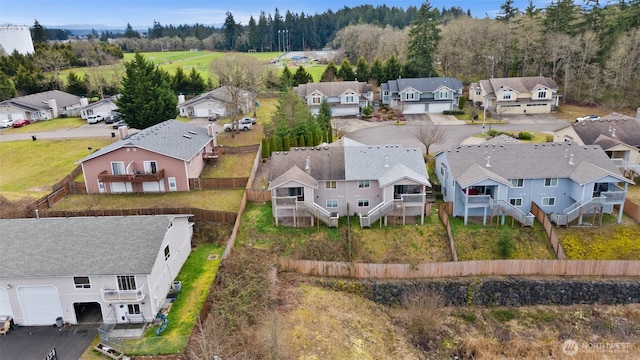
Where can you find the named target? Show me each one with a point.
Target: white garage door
(5, 307)
(344, 111)
(40, 305)
(202, 112)
(439, 108)
(414, 109)
(152, 186)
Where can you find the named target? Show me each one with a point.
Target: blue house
(564, 179)
(422, 95)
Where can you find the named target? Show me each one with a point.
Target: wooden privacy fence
(258, 195)
(226, 217)
(444, 217)
(240, 149)
(632, 209)
(67, 179)
(47, 201)
(548, 229)
(463, 268)
(218, 183)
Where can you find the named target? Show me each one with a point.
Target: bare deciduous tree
(430, 135)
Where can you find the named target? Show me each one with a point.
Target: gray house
(566, 180)
(346, 178)
(346, 98)
(90, 269)
(517, 95)
(422, 95)
(41, 106)
(218, 102)
(104, 107)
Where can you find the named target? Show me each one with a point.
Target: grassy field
(230, 165)
(223, 200)
(30, 168)
(47, 125)
(478, 242)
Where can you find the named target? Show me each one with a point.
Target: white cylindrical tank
(53, 105)
(180, 99)
(84, 101)
(16, 38)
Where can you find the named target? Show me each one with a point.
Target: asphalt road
(34, 342)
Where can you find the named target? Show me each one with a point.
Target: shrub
(549, 138)
(503, 315)
(265, 148)
(453, 112)
(506, 245)
(523, 135)
(367, 111)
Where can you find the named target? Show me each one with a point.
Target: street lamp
(484, 113)
(278, 40)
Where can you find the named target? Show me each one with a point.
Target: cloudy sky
(142, 13)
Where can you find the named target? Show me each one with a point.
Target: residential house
(565, 179)
(346, 178)
(346, 98)
(422, 95)
(160, 158)
(104, 107)
(218, 102)
(517, 95)
(617, 134)
(88, 269)
(41, 106)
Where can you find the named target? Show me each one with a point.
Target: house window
(548, 201)
(332, 203)
(349, 99)
(442, 169)
(518, 183)
(542, 94)
(443, 94)
(331, 184)
(172, 184)
(167, 253)
(515, 202)
(551, 182)
(364, 184)
(117, 168)
(81, 282)
(506, 95)
(296, 191)
(316, 100)
(409, 95)
(478, 92)
(101, 187)
(133, 309)
(126, 282)
(363, 203)
(150, 167)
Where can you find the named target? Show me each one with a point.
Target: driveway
(35, 342)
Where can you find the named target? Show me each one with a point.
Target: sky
(142, 13)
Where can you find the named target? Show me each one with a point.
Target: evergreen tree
(345, 72)
(146, 96)
(278, 143)
(265, 149)
(253, 36)
(286, 79)
(130, 33)
(230, 30)
(38, 34)
(301, 142)
(329, 135)
(76, 85)
(423, 43)
(324, 115)
(507, 11)
(195, 82)
(362, 69)
(7, 87)
(376, 72)
(287, 144)
(301, 76)
(392, 69)
(272, 144)
(330, 73)
(179, 81)
(294, 142)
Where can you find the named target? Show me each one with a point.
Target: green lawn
(30, 168)
(223, 200)
(230, 166)
(48, 125)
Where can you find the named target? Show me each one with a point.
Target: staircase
(578, 209)
(319, 212)
(501, 206)
(376, 213)
(429, 196)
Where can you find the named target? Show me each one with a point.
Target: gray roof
(40, 100)
(171, 138)
(530, 161)
(334, 88)
(627, 129)
(111, 100)
(294, 174)
(519, 84)
(81, 245)
(423, 84)
(351, 161)
(221, 94)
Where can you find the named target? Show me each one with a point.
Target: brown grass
(572, 111)
(230, 166)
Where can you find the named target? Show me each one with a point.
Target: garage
(438, 108)
(201, 112)
(414, 108)
(5, 306)
(40, 305)
(345, 111)
(152, 186)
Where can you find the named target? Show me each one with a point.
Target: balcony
(613, 194)
(136, 177)
(214, 154)
(286, 201)
(117, 296)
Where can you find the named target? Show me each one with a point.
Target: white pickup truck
(243, 124)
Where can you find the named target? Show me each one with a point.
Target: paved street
(34, 342)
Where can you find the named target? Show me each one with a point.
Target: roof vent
(571, 160)
(186, 136)
(613, 133)
(307, 164)
(193, 132)
(566, 153)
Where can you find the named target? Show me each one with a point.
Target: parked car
(6, 123)
(588, 117)
(244, 124)
(20, 123)
(94, 119)
(247, 119)
(119, 124)
(214, 117)
(111, 119)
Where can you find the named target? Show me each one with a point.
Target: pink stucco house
(160, 158)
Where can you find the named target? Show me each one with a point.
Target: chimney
(53, 105)
(123, 131)
(571, 160)
(307, 166)
(180, 99)
(37, 214)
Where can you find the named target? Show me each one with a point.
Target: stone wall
(498, 292)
